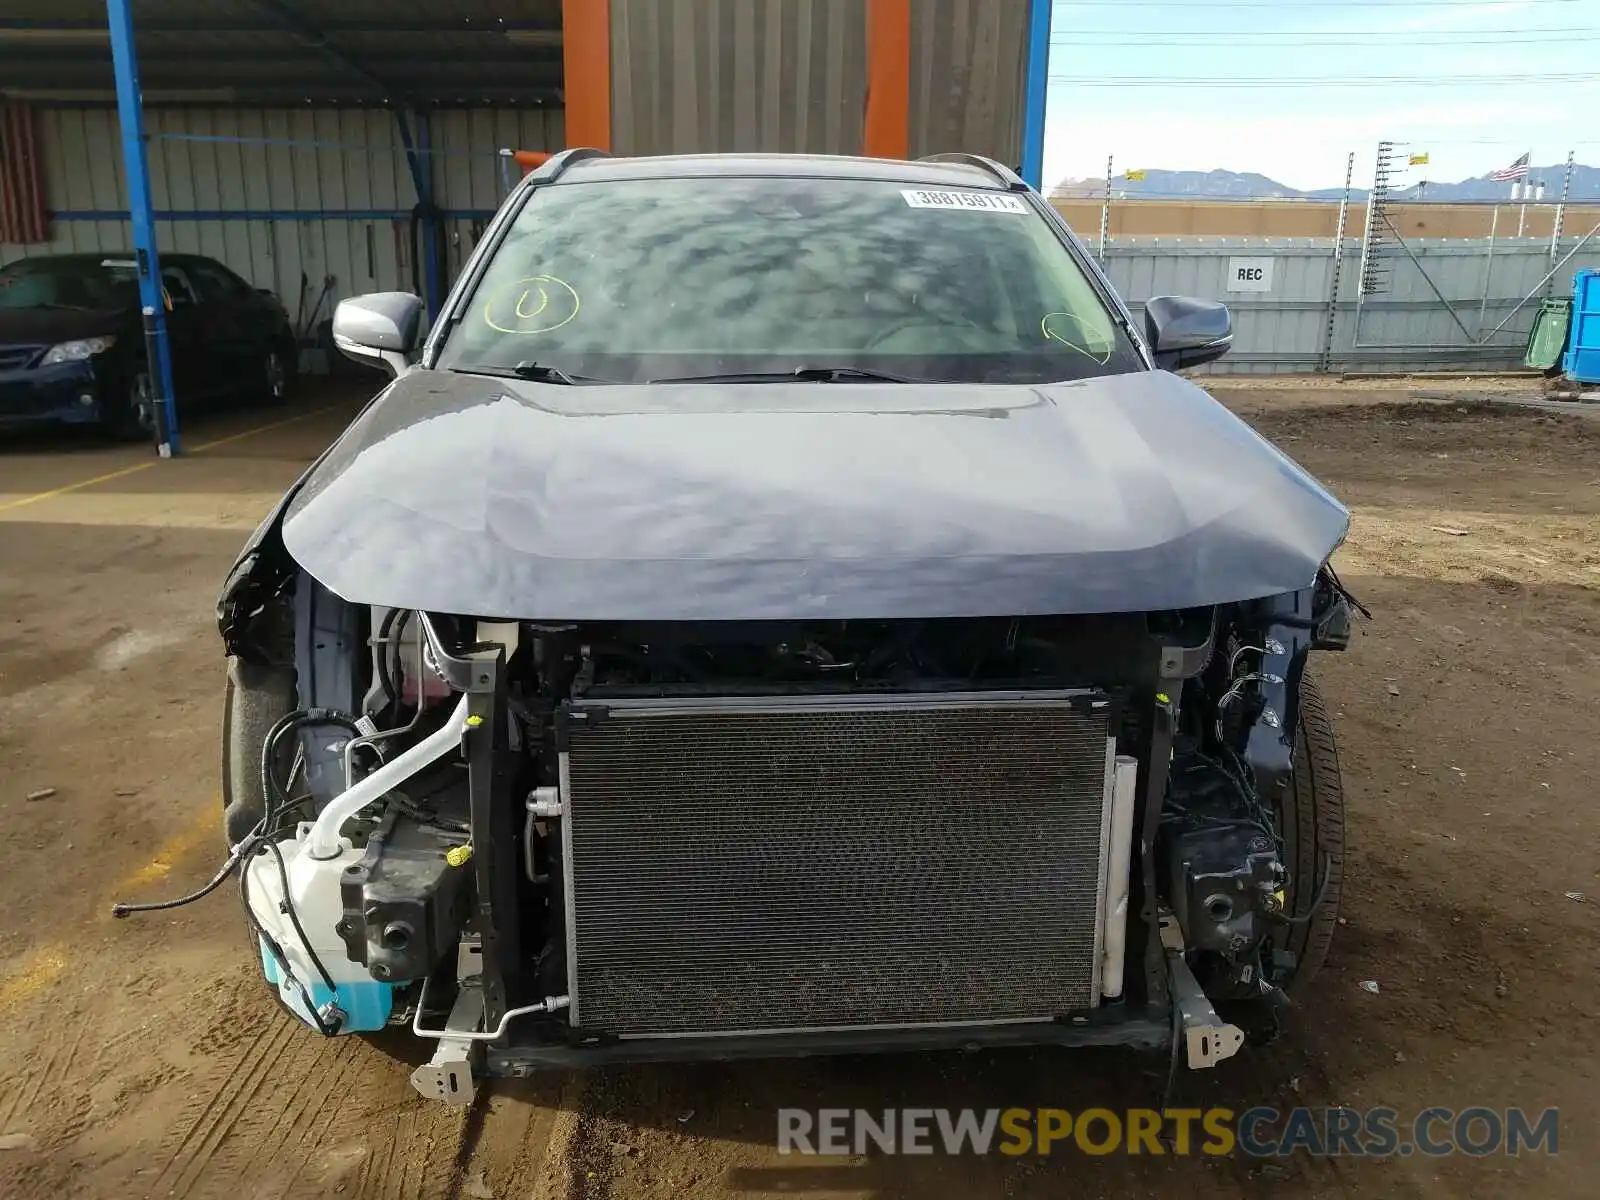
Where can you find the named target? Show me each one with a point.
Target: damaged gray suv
(785, 605)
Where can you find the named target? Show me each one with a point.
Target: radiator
(752, 865)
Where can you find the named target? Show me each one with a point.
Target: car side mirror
(1185, 332)
(379, 329)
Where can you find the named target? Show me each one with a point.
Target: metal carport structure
(232, 77)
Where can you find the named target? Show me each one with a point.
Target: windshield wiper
(532, 371)
(798, 375)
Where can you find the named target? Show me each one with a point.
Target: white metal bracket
(448, 1075)
(1208, 1039)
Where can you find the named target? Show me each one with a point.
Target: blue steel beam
(141, 211)
(316, 40)
(506, 54)
(1036, 88)
(417, 159)
(58, 25)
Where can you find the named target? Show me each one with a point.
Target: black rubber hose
(278, 801)
(271, 789)
(200, 893)
(276, 950)
(394, 624)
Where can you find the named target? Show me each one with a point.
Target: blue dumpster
(1583, 345)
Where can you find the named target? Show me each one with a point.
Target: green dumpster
(1548, 337)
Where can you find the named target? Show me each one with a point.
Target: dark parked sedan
(72, 343)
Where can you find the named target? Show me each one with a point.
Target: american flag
(23, 217)
(1517, 170)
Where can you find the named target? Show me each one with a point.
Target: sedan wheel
(275, 377)
(135, 417)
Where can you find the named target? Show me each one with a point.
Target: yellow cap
(458, 856)
(474, 720)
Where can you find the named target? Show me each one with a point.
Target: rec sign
(1250, 274)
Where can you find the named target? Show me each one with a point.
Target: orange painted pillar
(887, 132)
(586, 71)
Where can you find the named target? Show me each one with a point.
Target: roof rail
(558, 163)
(1001, 172)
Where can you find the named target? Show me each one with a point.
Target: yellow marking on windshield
(1053, 336)
(558, 305)
(544, 303)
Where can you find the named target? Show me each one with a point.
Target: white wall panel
(282, 195)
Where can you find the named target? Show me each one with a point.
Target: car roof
(593, 168)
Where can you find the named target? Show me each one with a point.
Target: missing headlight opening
(893, 674)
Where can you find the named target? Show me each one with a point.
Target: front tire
(277, 376)
(133, 414)
(254, 699)
(1312, 825)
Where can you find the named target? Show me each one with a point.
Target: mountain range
(1248, 185)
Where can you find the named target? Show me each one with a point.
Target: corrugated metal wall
(282, 193)
(967, 66)
(701, 76)
(705, 76)
(1407, 328)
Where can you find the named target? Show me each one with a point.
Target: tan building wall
(1299, 218)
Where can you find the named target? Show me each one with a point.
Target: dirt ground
(144, 1058)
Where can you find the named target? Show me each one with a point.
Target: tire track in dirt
(223, 1100)
(289, 1141)
(293, 1113)
(519, 1135)
(398, 1165)
(45, 1065)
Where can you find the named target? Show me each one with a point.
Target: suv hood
(497, 498)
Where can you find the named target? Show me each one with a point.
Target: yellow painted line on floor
(237, 511)
(200, 832)
(239, 437)
(44, 966)
(72, 487)
(8, 505)
(39, 970)
(49, 962)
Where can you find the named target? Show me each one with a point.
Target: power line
(1508, 38)
(1205, 5)
(1408, 36)
(1337, 81)
(1298, 34)
(1455, 141)
(1093, 192)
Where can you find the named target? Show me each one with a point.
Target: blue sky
(1352, 63)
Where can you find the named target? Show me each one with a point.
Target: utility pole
(1561, 206)
(1105, 212)
(1374, 267)
(1325, 361)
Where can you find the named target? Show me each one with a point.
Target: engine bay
(412, 850)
